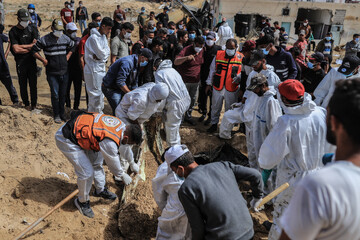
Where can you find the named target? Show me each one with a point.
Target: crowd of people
(299, 114)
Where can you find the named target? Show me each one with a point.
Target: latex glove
(126, 178)
(134, 167)
(235, 105)
(254, 203)
(237, 79)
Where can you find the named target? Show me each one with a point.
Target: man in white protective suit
(173, 222)
(97, 52)
(349, 69)
(136, 107)
(178, 101)
(244, 112)
(295, 145)
(88, 139)
(224, 33)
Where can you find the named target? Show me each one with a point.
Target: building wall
(273, 10)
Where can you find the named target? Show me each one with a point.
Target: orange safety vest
(226, 70)
(90, 129)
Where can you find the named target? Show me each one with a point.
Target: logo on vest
(110, 121)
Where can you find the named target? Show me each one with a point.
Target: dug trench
(35, 176)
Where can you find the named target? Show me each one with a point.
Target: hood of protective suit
(95, 31)
(165, 64)
(270, 67)
(305, 108)
(158, 92)
(271, 91)
(225, 24)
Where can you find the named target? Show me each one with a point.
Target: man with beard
(331, 195)
(295, 144)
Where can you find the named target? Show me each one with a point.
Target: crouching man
(88, 138)
(212, 200)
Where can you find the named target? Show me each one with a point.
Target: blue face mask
(328, 38)
(143, 64)
(154, 29)
(266, 52)
(180, 178)
(170, 31)
(192, 36)
(310, 65)
(356, 39)
(99, 23)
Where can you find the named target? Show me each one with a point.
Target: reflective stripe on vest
(90, 129)
(226, 70)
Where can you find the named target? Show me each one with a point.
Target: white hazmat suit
(173, 222)
(224, 34)
(177, 103)
(97, 52)
(295, 145)
(139, 105)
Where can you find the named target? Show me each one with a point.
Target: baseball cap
(211, 35)
(292, 89)
(265, 40)
(166, 8)
(146, 53)
(318, 57)
(142, 8)
(120, 16)
(174, 153)
(302, 32)
(257, 80)
(58, 25)
(71, 26)
(348, 65)
(256, 55)
(23, 14)
(249, 45)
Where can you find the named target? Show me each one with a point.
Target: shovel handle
(274, 194)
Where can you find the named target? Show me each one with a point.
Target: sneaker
(63, 117)
(212, 129)
(57, 120)
(106, 194)
(207, 122)
(84, 208)
(202, 118)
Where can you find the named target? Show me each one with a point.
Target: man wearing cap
(326, 45)
(163, 17)
(81, 16)
(74, 68)
(119, 10)
(295, 144)
(282, 61)
(211, 197)
(173, 222)
(22, 39)
(119, 46)
(97, 52)
(349, 69)
(122, 76)
(306, 28)
(35, 18)
(66, 14)
(352, 48)
(210, 52)
(302, 43)
(57, 49)
(313, 74)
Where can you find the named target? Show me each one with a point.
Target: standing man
(97, 52)
(211, 197)
(22, 39)
(283, 38)
(188, 63)
(163, 17)
(66, 14)
(88, 139)
(177, 102)
(5, 76)
(118, 21)
(119, 10)
(295, 144)
(313, 74)
(332, 194)
(35, 18)
(306, 27)
(224, 33)
(224, 80)
(141, 21)
(210, 52)
(326, 45)
(95, 18)
(353, 47)
(122, 76)
(119, 47)
(302, 43)
(57, 49)
(81, 16)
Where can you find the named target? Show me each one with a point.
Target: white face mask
(80, 5)
(305, 24)
(24, 24)
(31, 10)
(197, 49)
(149, 41)
(73, 35)
(127, 35)
(69, 6)
(57, 33)
(230, 52)
(210, 42)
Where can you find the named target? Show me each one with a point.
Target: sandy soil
(30, 160)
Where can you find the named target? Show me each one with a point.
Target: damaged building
(336, 16)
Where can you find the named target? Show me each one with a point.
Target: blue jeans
(58, 86)
(113, 96)
(82, 23)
